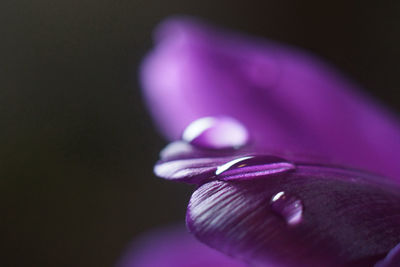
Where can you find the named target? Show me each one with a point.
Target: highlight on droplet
(253, 167)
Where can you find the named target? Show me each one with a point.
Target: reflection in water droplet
(232, 165)
(216, 133)
(288, 207)
(251, 167)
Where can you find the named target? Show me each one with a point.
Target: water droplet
(252, 167)
(176, 149)
(288, 207)
(216, 133)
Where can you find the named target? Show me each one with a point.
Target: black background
(77, 144)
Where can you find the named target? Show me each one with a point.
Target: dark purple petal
(173, 247)
(286, 99)
(312, 216)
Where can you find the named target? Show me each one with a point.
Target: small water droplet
(216, 133)
(288, 207)
(251, 167)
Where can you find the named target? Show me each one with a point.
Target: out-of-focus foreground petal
(287, 99)
(314, 215)
(173, 247)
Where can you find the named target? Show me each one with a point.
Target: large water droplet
(216, 133)
(288, 207)
(252, 167)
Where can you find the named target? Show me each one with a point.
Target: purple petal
(197, 170)
(186, 163)
(285, 98)
(312, 216)
(173, 247)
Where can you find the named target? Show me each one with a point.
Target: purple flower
(289, 157)
(266, 210)
(288, 100)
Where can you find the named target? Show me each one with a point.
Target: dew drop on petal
(216, 133)
(251, 167)
(288, 207)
